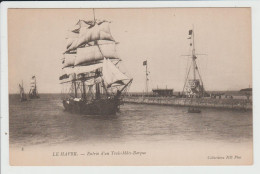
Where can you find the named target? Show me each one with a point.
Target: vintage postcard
(130, 86)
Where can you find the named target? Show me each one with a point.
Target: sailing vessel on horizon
(91, 77)
(33, 93)
(22, 94)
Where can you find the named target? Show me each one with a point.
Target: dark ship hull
(34, 96)
(96, 107)
(23, 99)
(194, 110)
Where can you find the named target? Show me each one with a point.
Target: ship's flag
(144, 63)
(190, 32)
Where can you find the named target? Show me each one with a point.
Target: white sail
(75, 28)
(87, 69)
(86, 35)
(33, 85)
(68, 70)
(80, 23)
(99, 54)
(71, 35)
(69, 60)
(111, 74)
(85, 23)
(33, 82)
(90, 23)
(95, 53)
(70, 41)
(73, 45)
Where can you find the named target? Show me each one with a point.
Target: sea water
(43, 121)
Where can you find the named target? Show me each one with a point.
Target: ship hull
(194, 110)
(23, 99)
(33, 96)
(95, 107)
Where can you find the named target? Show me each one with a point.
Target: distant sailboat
(22, 94)
(91, 70)
(33, 93)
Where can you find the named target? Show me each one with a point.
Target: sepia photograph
(130, 86)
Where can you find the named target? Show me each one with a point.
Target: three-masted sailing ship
(22, 94)
(91, 77)
(33, 93)
(193, 86)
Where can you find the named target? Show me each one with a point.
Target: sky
(36, 41)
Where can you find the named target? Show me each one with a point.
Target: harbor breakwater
(225, 103)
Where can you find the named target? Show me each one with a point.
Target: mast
(145, 63)
(22, 95)
(146, 84)
(193, 54)
(75, 88)
(97, 72)
(97, 91)
(21, 90)
(94, 16)
(35, 85)
(195, 86)
(84, 90)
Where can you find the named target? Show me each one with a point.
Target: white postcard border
(5, 168)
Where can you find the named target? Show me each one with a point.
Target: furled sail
(112, 75)
(95, 53)
(67, 80)
(68, 72)
(86, 35)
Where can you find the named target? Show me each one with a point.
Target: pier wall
(237, 104)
